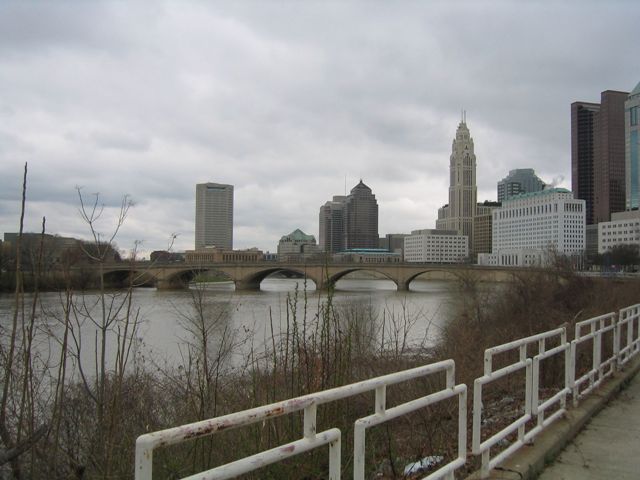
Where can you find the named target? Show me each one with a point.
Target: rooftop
(365, 250)
(299, 235)
(546, 191)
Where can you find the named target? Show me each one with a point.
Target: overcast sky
(286, 100)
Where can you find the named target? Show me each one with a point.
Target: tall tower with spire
(459, 213)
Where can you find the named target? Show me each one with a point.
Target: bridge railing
(531, 352)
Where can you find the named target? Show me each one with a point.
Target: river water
(164, 315)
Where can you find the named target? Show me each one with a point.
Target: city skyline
(159, 98)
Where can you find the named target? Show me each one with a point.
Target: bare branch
(26, 444)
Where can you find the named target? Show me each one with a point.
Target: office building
(520, 180)
(206, 255)
(591, 240)
(458, 214)
(622, 229)
(296, 246)
(482, 228)
(436, 246)
(532, 228)
(367, 255)
(361, 218)
(393, 242)
(632, 148)
(610, 170)
(214, 216)
(583, 154)
(349, 222)
(597, 155)
(331, 220)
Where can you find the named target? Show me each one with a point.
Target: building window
(633, 115)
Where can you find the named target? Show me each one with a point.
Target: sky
(290, 102)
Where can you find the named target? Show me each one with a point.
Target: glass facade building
(361, 218)
(349, 222)
(598, 154)
(632, 149)
(332, 225)
(520, 180)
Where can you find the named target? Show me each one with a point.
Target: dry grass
(319, 347)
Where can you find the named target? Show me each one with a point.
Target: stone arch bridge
(247, 276)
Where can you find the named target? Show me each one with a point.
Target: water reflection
(414, 316)
(245, 319)
(353, 285)
(276, 284)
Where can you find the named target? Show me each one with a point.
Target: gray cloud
(286, 99)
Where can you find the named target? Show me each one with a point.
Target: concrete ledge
(530, 460)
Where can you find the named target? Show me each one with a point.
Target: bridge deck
(247, 276)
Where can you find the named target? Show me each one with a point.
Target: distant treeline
(50, 281)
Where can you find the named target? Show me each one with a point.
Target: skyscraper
(583, 154)
(459, 213)
(597, 155)
(520, 180)
(632, 148)
(609, 171)
(214, 215)
(331, 235)
(361, 218)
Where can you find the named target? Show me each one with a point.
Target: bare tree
(22, 376)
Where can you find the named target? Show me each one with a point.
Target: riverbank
(314, 343)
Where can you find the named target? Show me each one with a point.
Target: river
(162, 334)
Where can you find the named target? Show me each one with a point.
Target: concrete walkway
(609, 445)
(600, 439)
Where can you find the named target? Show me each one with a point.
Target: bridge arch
(252, 281)
(126, 276)
(446, 274)
(181, 278)
(467, 276)
(336, 276)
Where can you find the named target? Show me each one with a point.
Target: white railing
(146, 444)
(560, 397)
(531, 407)
(593, 330)
(628, 333)
(625, 344)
